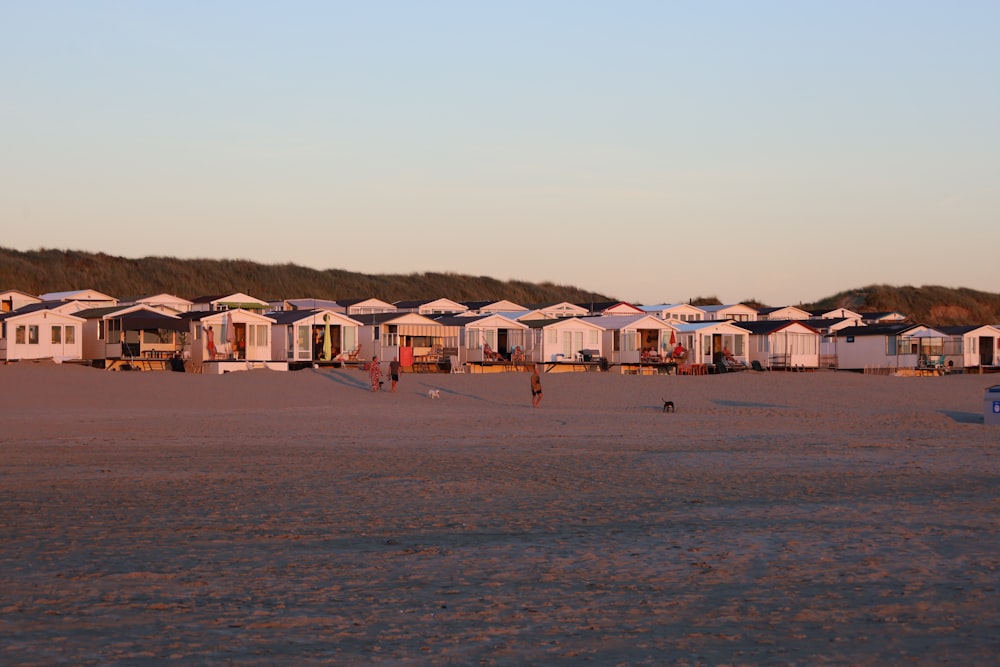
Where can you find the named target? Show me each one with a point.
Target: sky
(655, 152)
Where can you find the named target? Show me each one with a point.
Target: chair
(755, 364)
(353, 354)
(454, 365)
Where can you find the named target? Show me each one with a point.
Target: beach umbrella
(673, 338)
(327, 349)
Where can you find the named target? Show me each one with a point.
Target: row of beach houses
(216, 334)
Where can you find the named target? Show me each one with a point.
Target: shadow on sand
(964, 417)
(361, 382)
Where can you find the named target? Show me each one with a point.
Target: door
(987, 346)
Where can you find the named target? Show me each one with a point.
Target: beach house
(487, 307)
(307, 337)
(491, 340)
(565, 339)
(634, 339)
(783, 313)
(680, 312)
(87, 298)
(430, 307)
(971, 347)
(40, 331)
(782, 344)
(12, 299)
(886, 347)
(233, 335)
(138, 335)
(737, 312)
(235, 301)
(418, 341)
(707, 341)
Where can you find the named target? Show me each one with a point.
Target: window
(56, 335)
(19, 335)
(32, 334)
(592, 337)
(553, 336)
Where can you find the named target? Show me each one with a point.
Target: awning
(148, 321)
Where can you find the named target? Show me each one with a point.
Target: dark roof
(876, 330)
(289, 316)
(958, 330)
(601, 306)
(378, 318)
(538, 324)
(142, 319)
(412, 303)
(40, 305)
(458, 320)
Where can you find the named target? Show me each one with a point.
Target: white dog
(433, 393)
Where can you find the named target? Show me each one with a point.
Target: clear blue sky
(653, 151)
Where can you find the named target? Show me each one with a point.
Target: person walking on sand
(394, 372)
(375, 373)
(536, 387)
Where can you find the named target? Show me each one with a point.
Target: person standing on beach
(375, 373)
(536, 387)
(210, 337)
(394, 372)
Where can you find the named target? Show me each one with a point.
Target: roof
(877, 330)
(765, 327)
(136, 318)
(37, 307)
(623, 321)
(307, 304)
(460, 320)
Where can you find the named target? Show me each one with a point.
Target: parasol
(327, 348)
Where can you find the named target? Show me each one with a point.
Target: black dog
(668, 406)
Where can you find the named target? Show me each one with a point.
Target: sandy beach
(263, 518)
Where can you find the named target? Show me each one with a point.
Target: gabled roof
(237, 298)
(77, 295)
(292, 316)
(767, 327)
(198, 315)
(962, 330)
(372, 319)
(596, 307)
(498, 305)
(38, 307)
(627, 321)
(561, 322)
(696, 326)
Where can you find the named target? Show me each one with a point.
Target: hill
(931, 304)
(47, 270)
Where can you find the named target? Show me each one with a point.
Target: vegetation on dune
(48, 270)
(930, 304)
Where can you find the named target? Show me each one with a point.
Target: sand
(263, 518)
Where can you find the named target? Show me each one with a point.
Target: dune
(265, 518)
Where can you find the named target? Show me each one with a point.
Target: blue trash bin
(991, 407)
